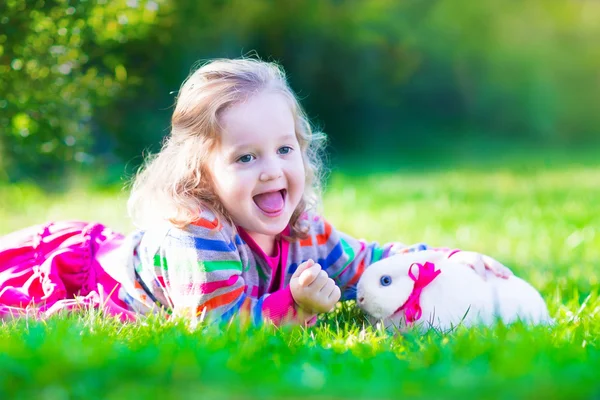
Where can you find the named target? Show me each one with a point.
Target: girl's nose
(271, 170)
(268, 176)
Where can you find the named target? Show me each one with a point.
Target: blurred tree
(59, 61)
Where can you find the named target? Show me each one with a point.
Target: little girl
(226, 217)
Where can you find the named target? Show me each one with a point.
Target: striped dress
(211, 270)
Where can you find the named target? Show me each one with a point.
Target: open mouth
(271, 203)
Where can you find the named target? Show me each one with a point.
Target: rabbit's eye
(385, 280)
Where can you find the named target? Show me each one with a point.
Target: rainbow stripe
(221, 300)
(204, 266)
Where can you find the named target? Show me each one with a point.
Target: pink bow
(412, 308)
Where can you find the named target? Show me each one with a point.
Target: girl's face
(257, 168)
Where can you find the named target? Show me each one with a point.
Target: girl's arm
(199, 272)
(344, 258)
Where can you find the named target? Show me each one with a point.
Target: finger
(328, 287)
(309, 275)
(472, 260)
(319, 282)
(478, 266)
(303, 267)
(335, 294)
(497, 267)
(333, 297)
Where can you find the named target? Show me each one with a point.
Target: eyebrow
(237, 148)
(289, 136)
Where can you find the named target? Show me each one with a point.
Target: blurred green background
(91, 84)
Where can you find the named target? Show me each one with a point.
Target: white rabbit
(455, 295)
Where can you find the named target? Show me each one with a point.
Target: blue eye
(285, 150)
(385, 280)
(246, 158)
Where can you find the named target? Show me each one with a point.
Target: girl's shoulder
(315, 224)
(208, 224)
(208, 220)
(207, 233)
(313, 218)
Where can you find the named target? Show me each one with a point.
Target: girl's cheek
(243, 175)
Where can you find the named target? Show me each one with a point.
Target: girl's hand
(312, 289)
(481, 263)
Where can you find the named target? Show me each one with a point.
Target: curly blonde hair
(175, 184)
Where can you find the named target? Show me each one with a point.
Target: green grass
(543, 221)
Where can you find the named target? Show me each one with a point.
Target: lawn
(541, 219)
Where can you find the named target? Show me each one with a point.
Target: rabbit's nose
(361, 300)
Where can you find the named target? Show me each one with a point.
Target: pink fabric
(57, 266)
(412, 307)
(210, 287)
(274, 262)
(279, 306)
